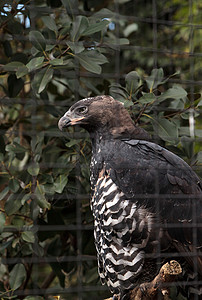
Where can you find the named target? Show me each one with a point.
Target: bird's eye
(81, 110)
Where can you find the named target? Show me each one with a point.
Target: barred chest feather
(122, 231)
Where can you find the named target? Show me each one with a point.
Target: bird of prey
(146, 201)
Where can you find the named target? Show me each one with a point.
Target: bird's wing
(159, 180)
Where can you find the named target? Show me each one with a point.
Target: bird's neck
(121, 127)
(121, 131)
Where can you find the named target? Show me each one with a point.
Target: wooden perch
(152, 290)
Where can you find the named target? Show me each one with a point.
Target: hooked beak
(67, 120)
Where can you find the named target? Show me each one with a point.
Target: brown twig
(17, 215)
(178, 112)
(48, 280)
(29, 268)
(141, 112)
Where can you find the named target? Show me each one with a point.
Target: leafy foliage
(44, 209)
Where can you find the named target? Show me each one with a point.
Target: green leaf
(25, 198)
(72, 142)
(177, 104)
(17, 276)
(78, 27)
(4, 192)
(5, 245)
(90, 66)
(76, 47)
(17, 67)
(16, 240)
(198, 132)
(91, 275)
(85, 171)
(13, 185)
(33, 169)
(170, 76)
(37, 40)
(122, 41)
(200, 103)
(15, 147)
(132, 82)
(176, 92)
(13, 66)
(35, 83)
(40, 196)
(71, 6)
(199, 157)
(49, 189)
(18, 148)
(38, 249)
(28, 236)
(45, 76)
(22, 71)
(167, 130)
(36, 143)
(104, 13)
(93, 28)
(3, 270)
(154, 79)
(13, 203)
(49, 47)
(56, 61)
(2, 220)
(117, 89)
(60, 183)
(49, 22)
(188, 146)
(35, 63)
(147, 98)
(113, 42)
(189, 113)
(91, 61)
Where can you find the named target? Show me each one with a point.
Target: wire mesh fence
(146, 54)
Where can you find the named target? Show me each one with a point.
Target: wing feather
(158, 180)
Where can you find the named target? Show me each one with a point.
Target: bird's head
(93, 113)
(103, 114)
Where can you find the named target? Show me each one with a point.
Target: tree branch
(14, 12)
(151, 290)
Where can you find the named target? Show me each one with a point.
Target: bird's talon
(143, 288)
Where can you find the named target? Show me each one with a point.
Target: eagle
(146, 201)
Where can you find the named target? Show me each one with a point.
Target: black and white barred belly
(121, 231)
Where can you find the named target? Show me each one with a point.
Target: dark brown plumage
(146, 200)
